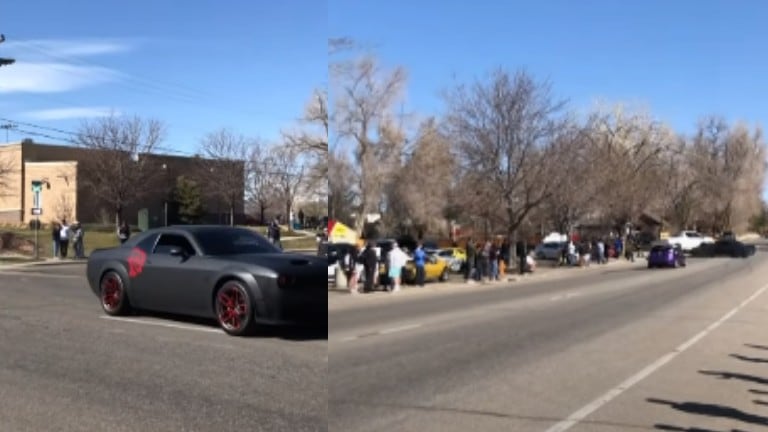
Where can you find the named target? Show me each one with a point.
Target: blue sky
(680, 59)
(198, 66)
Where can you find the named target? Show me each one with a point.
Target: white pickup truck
(689, 240)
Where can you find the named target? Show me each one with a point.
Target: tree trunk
(119, 214)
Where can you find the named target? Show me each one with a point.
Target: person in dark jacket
(371, 265)
(471, 253)
(522, 253)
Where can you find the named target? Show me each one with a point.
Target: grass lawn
(92, 240)
(303, 242)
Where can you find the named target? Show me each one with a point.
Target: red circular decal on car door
(136, 261)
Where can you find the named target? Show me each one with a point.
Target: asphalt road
(526, 357)
(65, 367)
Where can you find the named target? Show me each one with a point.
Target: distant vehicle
(663, 254)
(233, 275)
(689, 240)
(456, 258)
(725, 248)
(549, 250)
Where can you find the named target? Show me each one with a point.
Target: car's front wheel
(233, 309)
(114, 299)
(444, 276)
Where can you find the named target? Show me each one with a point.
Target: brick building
(66, 194)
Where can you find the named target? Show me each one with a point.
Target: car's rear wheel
(233, 309)
(114, 299)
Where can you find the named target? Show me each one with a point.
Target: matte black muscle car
(233, 275)
(728, 247)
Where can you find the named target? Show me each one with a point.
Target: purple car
(666, 255)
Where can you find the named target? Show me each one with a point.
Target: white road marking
(593, 406)
(399, 329)
(162, 324)
(564, 296)
(382, 332)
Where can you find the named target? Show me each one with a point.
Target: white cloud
(52, 77)
(52, 65)
(69, 113)
(60, 49)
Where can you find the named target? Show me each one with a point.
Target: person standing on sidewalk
(371, 265)
(469, 265)
(397, 259)
(55, 237)
(494, 258)
(419, 260)
(64, 238)
(522, 254)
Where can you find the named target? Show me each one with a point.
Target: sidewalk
(42, 263)
(339, 299)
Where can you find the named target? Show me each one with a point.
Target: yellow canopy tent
(340, 233)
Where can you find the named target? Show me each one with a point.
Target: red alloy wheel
(232, 307)
(111, 292)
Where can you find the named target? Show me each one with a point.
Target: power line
(13, 124)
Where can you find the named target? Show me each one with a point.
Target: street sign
(37, 211)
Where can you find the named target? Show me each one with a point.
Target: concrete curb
(43, 264)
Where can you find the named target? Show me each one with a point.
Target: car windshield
(233, 241)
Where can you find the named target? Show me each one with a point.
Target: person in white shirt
(64, 238)
(397, 259)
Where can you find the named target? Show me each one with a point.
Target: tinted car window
(147, 243)
(169, 242)
(233, 242)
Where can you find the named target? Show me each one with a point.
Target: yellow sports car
(434, 270)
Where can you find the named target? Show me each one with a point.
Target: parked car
(434, 270)
(549, 250)
(664, 254)
(725, 247)
(456, 258)
(689, 240)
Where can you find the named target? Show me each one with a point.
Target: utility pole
(5, 61)
(7, 127)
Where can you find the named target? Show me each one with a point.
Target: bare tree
(117, 166)
(64, 207)
(341, 196)
(630, 145)
(222, 167)
(573, 166)
(288, 176)
(730, 163)
(260, 187)
(363, 115)
(678, 193)
(7, 169)
(421, 189)
(313, 143)
(504, 130)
